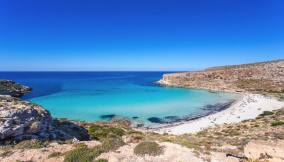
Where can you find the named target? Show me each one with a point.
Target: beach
(243, 124)
(249, 106)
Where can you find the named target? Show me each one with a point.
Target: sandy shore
(249, 106)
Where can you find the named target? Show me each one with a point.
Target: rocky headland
(260, 84)
(256, 77)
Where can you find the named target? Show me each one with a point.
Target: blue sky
(138, 34)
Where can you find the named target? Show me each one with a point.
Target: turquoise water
(90, 96)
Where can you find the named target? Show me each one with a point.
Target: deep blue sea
(94, 96)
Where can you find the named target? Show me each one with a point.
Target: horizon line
(102, 71)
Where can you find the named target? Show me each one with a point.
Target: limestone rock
(265, 150)
(20, 119)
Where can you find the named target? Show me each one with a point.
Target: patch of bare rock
(272, 151)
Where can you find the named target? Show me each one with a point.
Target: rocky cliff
(20, 120)
(264, 76)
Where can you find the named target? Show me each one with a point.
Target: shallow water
(94, 96)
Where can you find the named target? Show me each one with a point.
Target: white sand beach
(249, 106)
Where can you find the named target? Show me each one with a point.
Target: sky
(138, 35)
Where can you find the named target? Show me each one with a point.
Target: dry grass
(148, 148)
(261, 85)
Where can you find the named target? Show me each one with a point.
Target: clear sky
(138, 34)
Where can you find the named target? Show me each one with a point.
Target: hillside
(257, 77)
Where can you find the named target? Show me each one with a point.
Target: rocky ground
(259, 139)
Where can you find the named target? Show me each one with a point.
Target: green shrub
(82, 154)
(31, 144)
(6, 153)
(266, 113)
(122, 122)
(101, 160)
(202, 133)
(101, 132)
(148, 148)
(111, 144)
(54, 154)
(277, 123)
(280, 112)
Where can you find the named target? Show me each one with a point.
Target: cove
(96, 96)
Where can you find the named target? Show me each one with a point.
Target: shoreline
(181, 120)
(164, 83)
(249, 106)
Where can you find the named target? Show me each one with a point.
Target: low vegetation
(98, 132)
(277, 123)
(265, 113)
(261, 85)
(6, 153)
(54, 154)
(148, 148)
(82, 154)
(112, 137)
(31, 144)
(111, 144)
(101, 160)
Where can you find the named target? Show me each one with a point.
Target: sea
(104, 96)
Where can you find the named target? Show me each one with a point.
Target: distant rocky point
(258, 77)
(8, 87)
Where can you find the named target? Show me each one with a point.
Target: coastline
(251, 81)
(249, 106)
(227, 90)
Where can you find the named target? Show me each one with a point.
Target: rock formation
(20, 120)
(264, 76)
(8, 87)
